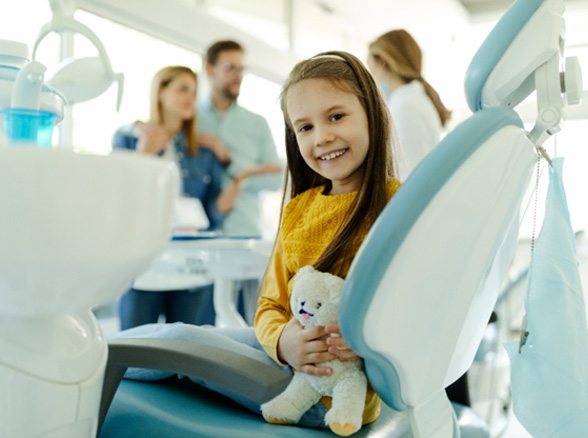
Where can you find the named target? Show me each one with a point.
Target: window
(139, 57)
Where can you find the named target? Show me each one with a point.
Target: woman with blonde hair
(170, 133)
(418, 114)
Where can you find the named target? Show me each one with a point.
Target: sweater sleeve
(273, 310)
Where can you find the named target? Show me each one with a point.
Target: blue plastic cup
(21, 125)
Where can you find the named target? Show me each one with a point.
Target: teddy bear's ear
(335, 285)
(305, 270)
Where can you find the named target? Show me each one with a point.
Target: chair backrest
(419, 294)
(423, 285)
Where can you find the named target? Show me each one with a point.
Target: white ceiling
(449, 31)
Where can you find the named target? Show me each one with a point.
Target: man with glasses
(241, 139)
(243, 142)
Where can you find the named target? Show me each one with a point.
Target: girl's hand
(337, 344)
(303, 348)
(151, 138)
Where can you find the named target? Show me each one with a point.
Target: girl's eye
(304, 128)
(336, 117)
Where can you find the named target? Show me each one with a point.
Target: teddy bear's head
(315, 297)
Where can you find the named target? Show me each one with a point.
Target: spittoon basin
(75, 229)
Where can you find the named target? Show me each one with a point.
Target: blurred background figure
(252, 165)
(418, 114)
(251, 162)
(171, 134)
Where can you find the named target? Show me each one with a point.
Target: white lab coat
(416, 126)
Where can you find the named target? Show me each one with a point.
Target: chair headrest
(501, 71)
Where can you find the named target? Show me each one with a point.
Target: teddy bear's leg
(287, 408)
(345, 416)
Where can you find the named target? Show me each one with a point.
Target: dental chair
(423, 285)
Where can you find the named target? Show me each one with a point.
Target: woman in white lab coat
(418, 114)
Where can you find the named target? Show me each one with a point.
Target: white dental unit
(188, 263)
(75, 230)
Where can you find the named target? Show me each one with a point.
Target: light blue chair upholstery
(492, 50)
(430, 270)
(416, 301)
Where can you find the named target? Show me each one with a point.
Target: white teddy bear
(315, 301)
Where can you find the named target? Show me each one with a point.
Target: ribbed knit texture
(310, 223)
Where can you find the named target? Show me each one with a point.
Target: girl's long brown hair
(398, 52)
(161, 80)
(347, 72)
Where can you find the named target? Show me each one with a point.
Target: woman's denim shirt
(201, 174)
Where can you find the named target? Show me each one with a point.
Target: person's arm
(151, 138)
(281, 335)
(124, 138)
(217, 147)
(215, 217)
(228, 196)
(273, 309)
(267, 173)
(261, 170)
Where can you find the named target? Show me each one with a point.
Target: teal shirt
(250, 143)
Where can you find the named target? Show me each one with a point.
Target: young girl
(337, 144)
(339, 159)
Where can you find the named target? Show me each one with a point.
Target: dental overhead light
(79, 79)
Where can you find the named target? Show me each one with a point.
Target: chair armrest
(216, 366)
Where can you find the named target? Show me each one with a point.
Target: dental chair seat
(180, 408)
(172, 406)
(175, 409)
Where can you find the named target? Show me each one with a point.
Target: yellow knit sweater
(309, 224)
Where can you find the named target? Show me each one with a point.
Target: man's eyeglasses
(232, 68)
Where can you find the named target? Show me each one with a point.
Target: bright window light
(139, 57)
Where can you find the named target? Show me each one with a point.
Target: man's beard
(230, 95)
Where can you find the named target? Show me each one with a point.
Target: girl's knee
(181, 331)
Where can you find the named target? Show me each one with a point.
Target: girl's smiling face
(331, 129)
